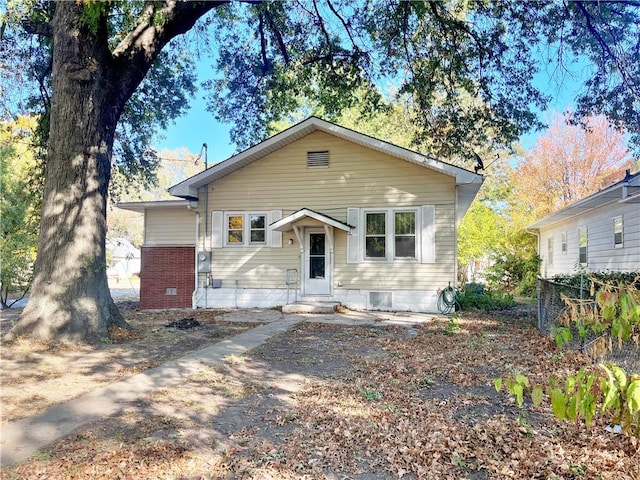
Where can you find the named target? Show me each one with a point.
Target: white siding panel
(601, 253)
(428, 238)
(276, 237)
(217, 229)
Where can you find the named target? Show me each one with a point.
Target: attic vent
(318, 159)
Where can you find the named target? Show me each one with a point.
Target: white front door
(317, 271)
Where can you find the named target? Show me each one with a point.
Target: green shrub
(514, 274)
(483, 299)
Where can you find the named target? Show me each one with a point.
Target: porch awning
(286, 224)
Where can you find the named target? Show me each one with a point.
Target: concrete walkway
(22, 438)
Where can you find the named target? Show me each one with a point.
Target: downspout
(206, 228)
(194, 298)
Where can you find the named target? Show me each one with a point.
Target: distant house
(598, 233)
(124, 258)
(318, 212)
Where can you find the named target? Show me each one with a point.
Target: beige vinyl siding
(169, 227)
(356, 177)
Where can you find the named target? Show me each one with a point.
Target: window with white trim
(563, 242)
(582, 245)
(245, 228)
(390, 234)
(550, 251)
(617, 232)
(258, 229)
(235, 229)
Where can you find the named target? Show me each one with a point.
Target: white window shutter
(276, 237)
(428, 237)
(217, 229)
(353, 237)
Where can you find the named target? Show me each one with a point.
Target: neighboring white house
(125, 258)
(319, 212)
(600, 232)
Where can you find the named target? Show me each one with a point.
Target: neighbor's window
(375, 235)
(235, 229)
(405, 234)
(563, 242)
(582, 244)
(617, 232)
(550, 251)
(258, 229)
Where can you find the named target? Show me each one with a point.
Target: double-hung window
(390, 234)
(582, 245)
(235, 229)
(617, 232)
(550, 251)
(563, 242)
(376, 235)
(258, 229)
(405, 234)
(246, 228)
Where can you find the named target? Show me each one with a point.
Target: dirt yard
(318, 402)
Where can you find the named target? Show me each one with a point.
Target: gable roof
(626, 190)
(286, 223)
(189, 188)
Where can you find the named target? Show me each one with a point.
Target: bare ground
(336, 402)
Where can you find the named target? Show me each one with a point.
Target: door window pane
(316, 255)
(316, 267)
(316, 241)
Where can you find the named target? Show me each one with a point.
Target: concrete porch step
(306, 306)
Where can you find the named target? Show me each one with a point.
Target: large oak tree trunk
(70, 299)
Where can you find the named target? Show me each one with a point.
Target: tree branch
(278, 35)
(157, 26)
(34, 27)
(606, 50)
(263, 44)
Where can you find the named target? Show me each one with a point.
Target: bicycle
(448, 300)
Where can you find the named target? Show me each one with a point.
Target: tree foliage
(604, 391)
(467, 68)
(163, 95)
(19, 207)
(567, 163)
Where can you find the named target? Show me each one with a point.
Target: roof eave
(189, 187)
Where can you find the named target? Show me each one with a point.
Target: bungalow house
(597, 233)
(317, 212)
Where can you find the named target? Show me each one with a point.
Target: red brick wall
(166, 270)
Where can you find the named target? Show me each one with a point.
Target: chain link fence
(552, 309)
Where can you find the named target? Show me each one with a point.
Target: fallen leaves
(378, 403)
